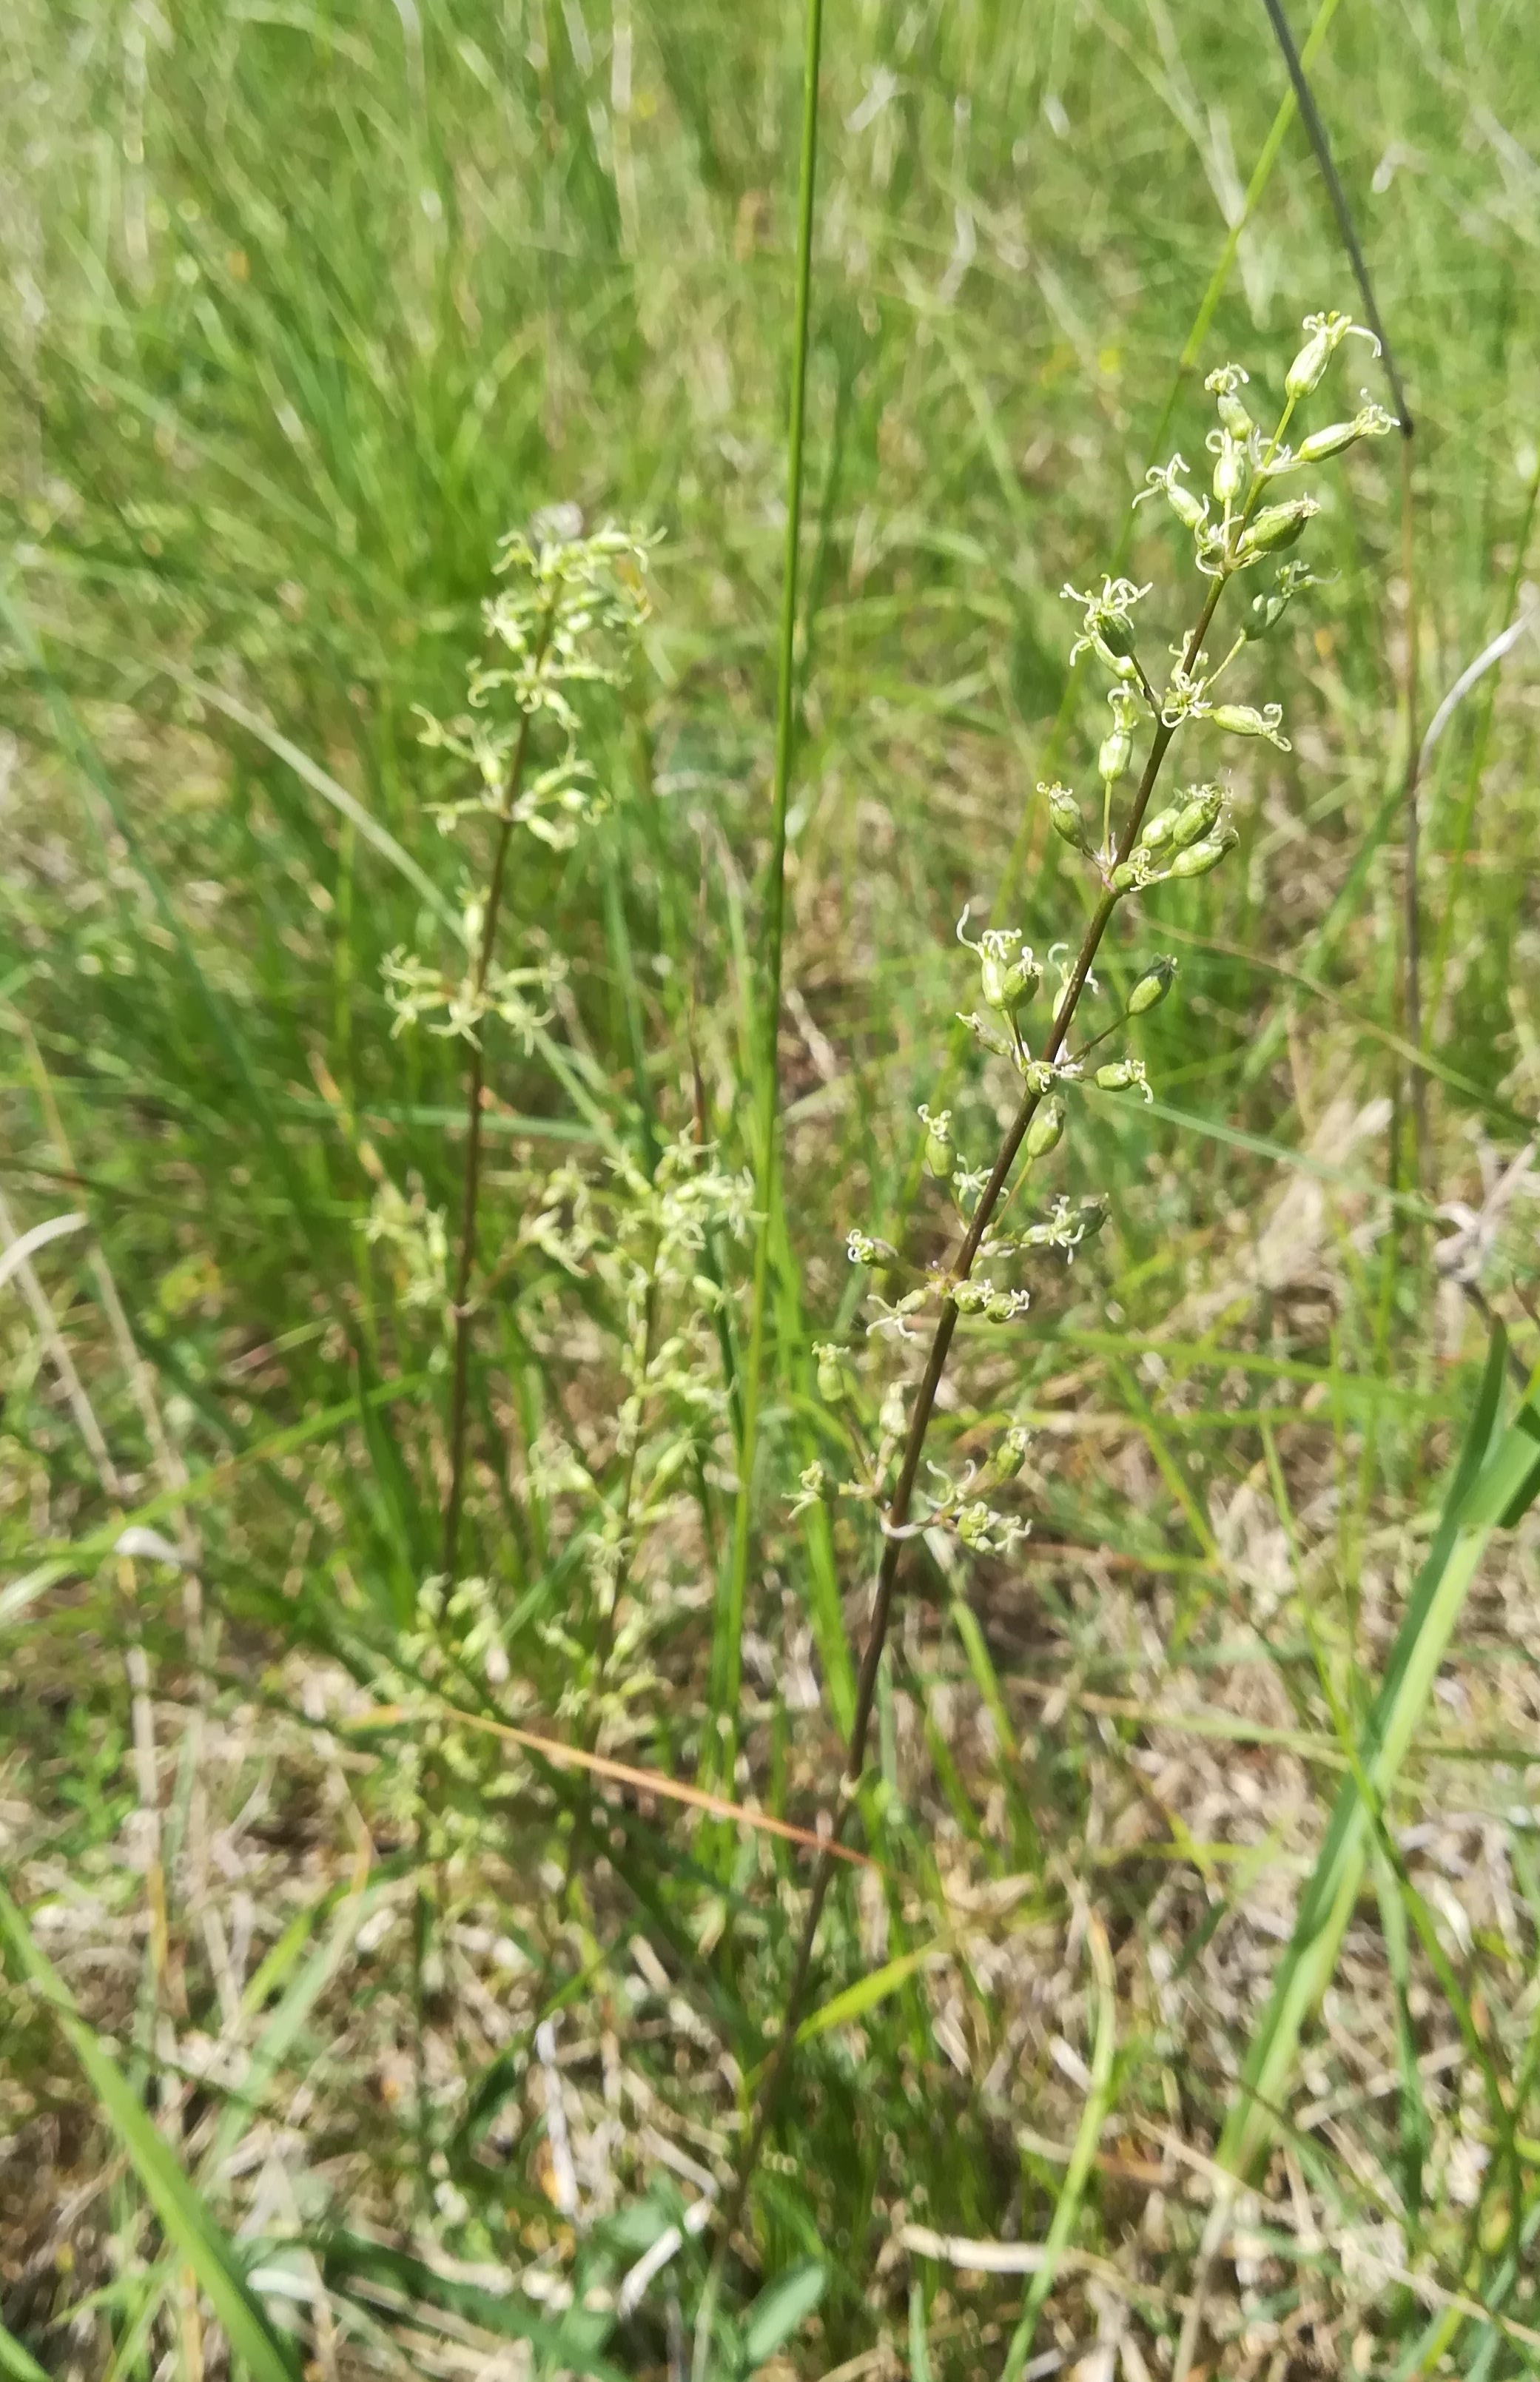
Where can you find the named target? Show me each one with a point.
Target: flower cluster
(1236, 530)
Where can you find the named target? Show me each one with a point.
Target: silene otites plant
(636, 1246)
(1028, 1012)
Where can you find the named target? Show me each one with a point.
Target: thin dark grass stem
(767, 1091)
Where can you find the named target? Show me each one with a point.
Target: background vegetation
(339, 2032)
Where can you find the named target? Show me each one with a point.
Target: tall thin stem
(767, 1091)
(475, 1087)
(919, 1424)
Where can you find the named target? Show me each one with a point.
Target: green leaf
(781, 2307)
(17, 2363)
(865, 1994)
(184, 2216)
(1497, 1478)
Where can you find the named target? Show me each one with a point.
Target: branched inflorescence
(566, 619)
(1239, 531)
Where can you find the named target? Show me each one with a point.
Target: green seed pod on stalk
(1064, 817)
(1197, 816)
(1199, 858)
(940, 1155)
(1046, 1130)
(1152, 986)
(1275, 527)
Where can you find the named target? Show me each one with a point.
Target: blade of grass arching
(322, 783)
(1497, 1478)
(1082, 2157)
(1192, 348)
(182, 2213)
(728, 1651)
(18, 2364)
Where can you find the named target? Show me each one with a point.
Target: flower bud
(1229, 470)
(1326, 335)
(1223, 385)
(1152, 986)
(831, 1373)
(1064, 815)
(990, 1036)
(863, 1248)
(1276, 526)
(1199, 858)
(1304, 375)
(1190, 509)
(1116, 751)
(1244, 719)
(1122, 1075)
(1197, 816)
(1046, 1130)
(1008, 1457)
(973, 1524)
(1006, 972)
(941, 1157)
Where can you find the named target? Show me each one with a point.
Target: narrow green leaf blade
(183, 2216)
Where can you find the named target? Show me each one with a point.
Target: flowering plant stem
(898, 1507)
(475, 1085)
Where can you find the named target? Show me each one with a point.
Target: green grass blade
(183, 2216)
(729, 1648)
(1496, 1476)
(1087, 2134)
(18, 2364)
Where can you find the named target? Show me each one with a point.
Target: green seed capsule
(973, 1524)
(1196, 816)
(1116, 751)
(1093, 1215)
(1125, 876)
(1190, 509)
(831, 1373)
(972, 1297)
(1305, 373)
(1152, 986)
(1330, 441)
(1119, 1074)
(1199, 858)
(1276, 526)
(1064, 815)
(1235, 419)
(1046, 1130)
(1158, 830)
(1009, 1457)
(1229, 471)
(941, 1157)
